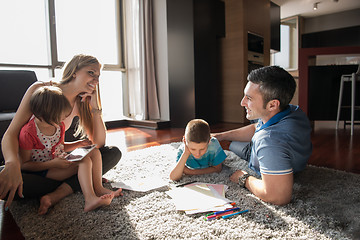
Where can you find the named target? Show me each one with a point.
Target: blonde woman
(79, 85)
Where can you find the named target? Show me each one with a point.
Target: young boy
(199, 153)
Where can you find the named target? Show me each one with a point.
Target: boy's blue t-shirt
(214, 156)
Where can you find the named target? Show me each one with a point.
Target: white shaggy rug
(325, 205)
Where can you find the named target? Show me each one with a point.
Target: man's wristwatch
(242, 179)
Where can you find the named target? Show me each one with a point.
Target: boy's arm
(178, 171)
(211, 169)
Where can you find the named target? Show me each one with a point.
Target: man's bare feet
(45, 204)
(96, 202)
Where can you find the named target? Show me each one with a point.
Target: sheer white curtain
(142, 89)
(136, 91)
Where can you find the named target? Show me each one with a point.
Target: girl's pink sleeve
(25, 140)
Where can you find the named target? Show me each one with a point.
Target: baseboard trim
(151, 124)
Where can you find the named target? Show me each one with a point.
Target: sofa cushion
(14, 84)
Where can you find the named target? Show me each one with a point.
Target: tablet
(79, 153)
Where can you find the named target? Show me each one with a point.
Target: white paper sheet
(140, 184)
(198, 198)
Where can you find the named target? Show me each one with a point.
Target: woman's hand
(98, 134)
(92, 98)
(10, 177)
(10, 182)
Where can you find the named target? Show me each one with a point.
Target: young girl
(42, 147)
(79, 85)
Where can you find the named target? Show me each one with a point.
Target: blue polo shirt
(214, 156)
(283, 144)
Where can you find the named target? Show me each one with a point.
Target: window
(23, 32)
(40, 35)
(289, 44)
(87, 26)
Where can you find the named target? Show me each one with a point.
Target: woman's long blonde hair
(85, 115)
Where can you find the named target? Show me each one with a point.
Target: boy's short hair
(198, 131)
(48, 104)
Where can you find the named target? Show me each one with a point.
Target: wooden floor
(332, 148)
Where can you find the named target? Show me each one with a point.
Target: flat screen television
(255, 43)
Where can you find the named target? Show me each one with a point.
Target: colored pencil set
(224, 214)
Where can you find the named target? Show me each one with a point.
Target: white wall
(332, 21)
(161, 56)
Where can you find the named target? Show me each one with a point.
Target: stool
(348, 78)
